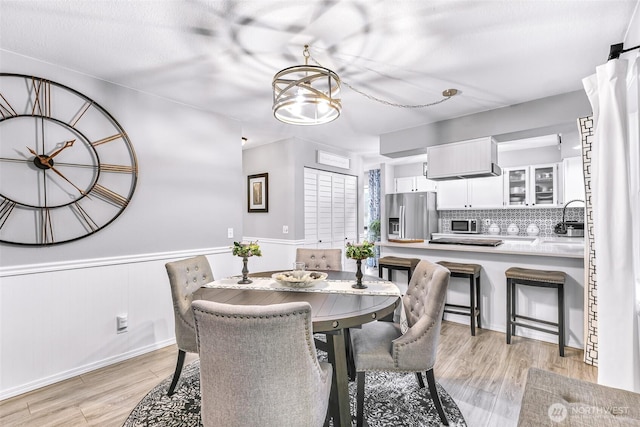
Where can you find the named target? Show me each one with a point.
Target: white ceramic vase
(494, 229)
(533, 230)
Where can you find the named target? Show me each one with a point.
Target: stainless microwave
(464, 226)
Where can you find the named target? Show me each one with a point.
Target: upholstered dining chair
(258, 366)
(185, 277)
(383, 346)
(320, 259)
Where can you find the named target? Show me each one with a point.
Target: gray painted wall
(411, 169)
(190, 184)
(555, 114)
(278, 160)
(285, 161)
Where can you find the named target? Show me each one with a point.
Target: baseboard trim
(522, 332)
(61, 376)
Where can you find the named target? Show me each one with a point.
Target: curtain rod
(616, 49)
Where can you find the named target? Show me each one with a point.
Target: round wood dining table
(332, 314)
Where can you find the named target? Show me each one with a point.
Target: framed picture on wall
(258, 192)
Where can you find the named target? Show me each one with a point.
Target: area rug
(392, 400)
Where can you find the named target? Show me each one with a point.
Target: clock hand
(43, 159)
(9, 159)
(66, 144)
(66, 179)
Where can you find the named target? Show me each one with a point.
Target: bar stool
(397, 263)
(471, 272)
(537, 278)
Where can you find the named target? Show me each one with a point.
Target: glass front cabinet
(531, 186)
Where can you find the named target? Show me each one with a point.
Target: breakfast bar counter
(565, 247)
(542, 253)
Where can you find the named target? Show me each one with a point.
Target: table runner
(374, 287)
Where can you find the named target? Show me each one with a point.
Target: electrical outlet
(487, 222)
(230, 233)
(285, 229)
(122, 323)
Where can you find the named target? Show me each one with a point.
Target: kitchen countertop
(552, 246)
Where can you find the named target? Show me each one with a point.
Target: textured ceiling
(221, 55)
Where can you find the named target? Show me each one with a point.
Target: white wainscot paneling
(277, 255)
(58, 321)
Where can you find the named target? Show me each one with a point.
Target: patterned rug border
(392, 400)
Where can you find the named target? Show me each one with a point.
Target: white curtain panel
(614, 93)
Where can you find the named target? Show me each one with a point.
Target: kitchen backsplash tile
(544, 218)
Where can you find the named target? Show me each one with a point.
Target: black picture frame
(258, 192)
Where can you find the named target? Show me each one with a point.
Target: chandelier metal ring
(308, 94)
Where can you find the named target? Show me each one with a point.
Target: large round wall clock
(67, 168)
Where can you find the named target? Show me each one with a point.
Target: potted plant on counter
(359, 252)
(245, 250)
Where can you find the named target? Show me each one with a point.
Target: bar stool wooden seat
(397, 263)
(537, 278)
(473, 310)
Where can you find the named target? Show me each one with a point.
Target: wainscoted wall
(58, 304)
(58, 320)
(544, 218)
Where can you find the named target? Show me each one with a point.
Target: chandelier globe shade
(306, 95)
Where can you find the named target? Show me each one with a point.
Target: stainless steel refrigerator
(411, 215)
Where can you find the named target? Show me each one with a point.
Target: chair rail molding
(102, 262)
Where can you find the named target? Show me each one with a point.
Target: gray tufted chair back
(187, 276)
(387, 346)
(258, 366)
(320, 259)
(423, 304)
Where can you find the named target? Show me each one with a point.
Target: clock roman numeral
(108, 195)
(115, 168)
(42, 97)
(107, 139)
(5, 210)
(47, 227)
(6, 110)
(80, 113)
(82, 215)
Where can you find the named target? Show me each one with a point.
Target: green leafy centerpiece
(245, 250)
(359, 252)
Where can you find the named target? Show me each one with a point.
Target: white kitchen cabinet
(474, 193)
(485, 193)
(573, 179)
(531, 186)
(452, 194)
(410, 184)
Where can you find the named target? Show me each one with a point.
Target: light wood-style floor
(483, 374)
